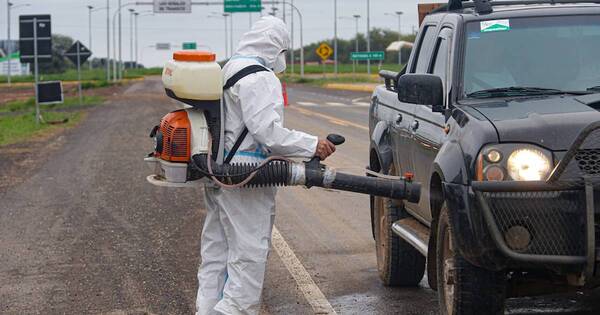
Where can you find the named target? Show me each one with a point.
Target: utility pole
(131, 12)
(369, 34)
(107, 40)
(398, 14)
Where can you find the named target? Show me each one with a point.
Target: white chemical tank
(193, 75)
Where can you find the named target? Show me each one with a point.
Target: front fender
(380, 142)
(450, 163)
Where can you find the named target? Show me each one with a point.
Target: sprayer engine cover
(173, 137)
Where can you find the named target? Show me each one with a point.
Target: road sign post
(35, 43)
(233, 6)
(78, 54)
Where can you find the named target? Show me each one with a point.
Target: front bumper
(557, 219)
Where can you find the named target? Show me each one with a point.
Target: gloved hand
(324, 149)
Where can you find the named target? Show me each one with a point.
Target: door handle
(415, 125)
(398, 119)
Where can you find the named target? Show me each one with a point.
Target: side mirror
(421, 89)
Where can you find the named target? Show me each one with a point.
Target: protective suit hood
(268, 40)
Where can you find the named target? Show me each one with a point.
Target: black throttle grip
(336, 139)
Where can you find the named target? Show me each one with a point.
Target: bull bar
(558, 212)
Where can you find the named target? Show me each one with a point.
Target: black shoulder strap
(230, 83)
(242, 74)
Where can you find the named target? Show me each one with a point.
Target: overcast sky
(70, 17)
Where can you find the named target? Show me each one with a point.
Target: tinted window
(422, 61)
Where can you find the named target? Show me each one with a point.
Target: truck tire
(464, 288)
(398, 263)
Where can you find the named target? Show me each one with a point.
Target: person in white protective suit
(237, 230)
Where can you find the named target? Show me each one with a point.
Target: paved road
(84, 233)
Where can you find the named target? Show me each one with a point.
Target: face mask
(280, 64)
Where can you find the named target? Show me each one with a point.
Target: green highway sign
(232, 6)
(189, 46)
(366, 55)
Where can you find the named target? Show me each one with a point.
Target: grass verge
(86, 75)
(19, 128)
(361, 68)
(29, 104)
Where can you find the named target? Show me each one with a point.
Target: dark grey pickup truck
(496, 115)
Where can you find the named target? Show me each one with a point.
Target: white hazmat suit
(237, 231)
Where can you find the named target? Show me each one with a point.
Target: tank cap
(194, 55)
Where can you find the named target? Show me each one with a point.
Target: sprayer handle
(336, 139)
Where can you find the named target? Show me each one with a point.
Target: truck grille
(555, 220)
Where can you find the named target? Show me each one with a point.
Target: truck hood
(552, 122)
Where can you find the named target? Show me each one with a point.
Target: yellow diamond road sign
(324, 51)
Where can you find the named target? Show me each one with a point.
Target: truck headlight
(528, 165)
(525, 162)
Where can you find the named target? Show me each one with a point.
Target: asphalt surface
(83, 232)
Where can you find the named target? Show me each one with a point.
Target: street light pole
(90, 8)
(356, 17)
(107, 40)
(120, 66)
(9, 48)
(369, 34)
(335, 39)
(131, 12)
(231, 34)
(292, 32)
(135, 62)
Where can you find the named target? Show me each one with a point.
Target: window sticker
(495, 26)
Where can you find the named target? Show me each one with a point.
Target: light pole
(136, 15)
(224, 17)
(9, 6)
(399, 15)
(131, 12)
(107, 40)
(355, 17)
(335, 39)
(90, 10)
(292, 32)
(369, 34)
(116, 70)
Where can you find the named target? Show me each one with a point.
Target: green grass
(86, 75)
(320, 81)
(29, 104)
(344, 68)
(22, 127)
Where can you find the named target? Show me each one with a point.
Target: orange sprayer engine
(173, 137)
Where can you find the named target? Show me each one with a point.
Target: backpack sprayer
(189, 146)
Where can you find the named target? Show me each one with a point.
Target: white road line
(335, 104)
(309, 288)
(363, 104)
(356, 100)
(306, 103)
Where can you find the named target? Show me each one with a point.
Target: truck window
(441, 55)
(421, 61)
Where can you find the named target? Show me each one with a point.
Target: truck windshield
(525, 56)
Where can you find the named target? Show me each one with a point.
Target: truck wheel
(462, 287)
(398, 263)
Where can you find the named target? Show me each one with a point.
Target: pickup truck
(496, 115)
